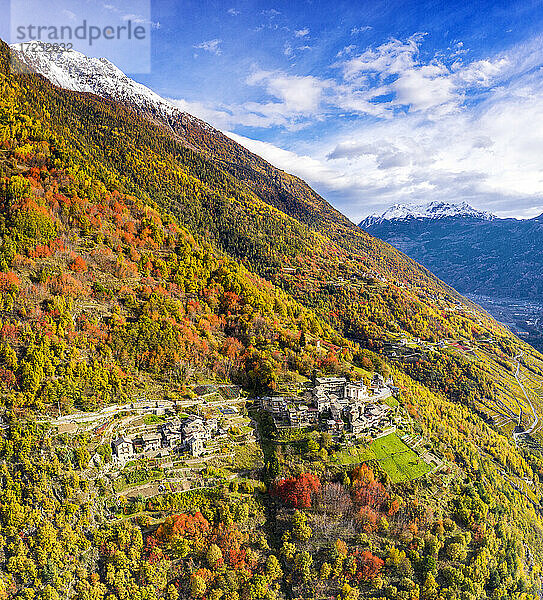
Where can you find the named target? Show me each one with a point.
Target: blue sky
(372, 103)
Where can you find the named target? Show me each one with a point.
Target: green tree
(273, 568)
(197, 586)
(214, 556)
(300, 529)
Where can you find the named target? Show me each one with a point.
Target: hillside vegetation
(132, 264)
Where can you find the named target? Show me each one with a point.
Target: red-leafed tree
(362, 474)
(367, 491)
(368, 565)
(78, 265)
(368, 518)
(297, 491)
(230, 540)
(193, 527)
(9, 281)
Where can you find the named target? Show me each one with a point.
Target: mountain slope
(471, 251)
(121, 274)
(363, 288)
(281, 190)
(75, 71)
(351, 256)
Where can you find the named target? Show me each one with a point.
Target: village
(211, 435)
(336, 405)
(188, 434)
(169, 442)
(179, 430)
(331, 404)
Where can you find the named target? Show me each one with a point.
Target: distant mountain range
(431, 210)
(473, 251)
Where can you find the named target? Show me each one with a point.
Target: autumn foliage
(194, 527)
(78, 265)
(196, 532)
(9, 281)
(371, 498)
(298, 491)
(367, 491)
(368, 565)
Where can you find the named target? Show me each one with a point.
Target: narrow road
(536, 416)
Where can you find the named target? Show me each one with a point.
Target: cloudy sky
(372, 102)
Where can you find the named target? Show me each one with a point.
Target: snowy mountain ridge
(77, 72)
(431, 210)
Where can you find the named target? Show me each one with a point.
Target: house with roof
(334, 425)
(359, 426)
(277, 405)
(330, 385)
(172, 434)
(356, 391)
(123, 449)
(151, 441)
(195, 445)
(196, 427)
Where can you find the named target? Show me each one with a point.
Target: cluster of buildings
(336, 404)
(189, 434)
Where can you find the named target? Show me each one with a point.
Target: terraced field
(395, 457)
(511, 408)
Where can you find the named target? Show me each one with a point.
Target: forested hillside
(327, 265)
(134, 266)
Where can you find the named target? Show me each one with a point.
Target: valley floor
(523, 317)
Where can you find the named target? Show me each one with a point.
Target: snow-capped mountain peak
(75, 71)
(431, 210)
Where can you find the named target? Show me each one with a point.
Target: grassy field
(398, 460)
(353, 456)
(392, 402)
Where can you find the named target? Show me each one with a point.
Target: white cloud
(442, 128)
(301, 32)
(346, 50)
(226, 117)
(233, 12)
(382, 82)
(290, 52)
(297, 94)
(135, 18)
(391, 58)
(490, 155)
(211, 46)
(363, 29)
(425, 87)
(69, 14)
(220, 117)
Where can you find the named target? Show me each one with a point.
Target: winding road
(535, 422)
